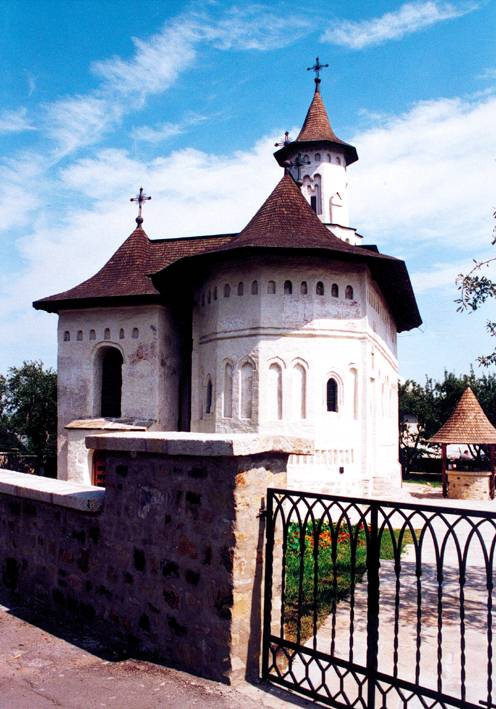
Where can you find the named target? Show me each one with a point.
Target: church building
(288, 327)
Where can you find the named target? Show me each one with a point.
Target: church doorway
(111, 387)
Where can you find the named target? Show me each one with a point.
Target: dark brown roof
(286, 221)
(467, 424)
(316, 129)
(126, 274)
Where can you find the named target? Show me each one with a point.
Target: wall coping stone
(200, 444)
(85, 498)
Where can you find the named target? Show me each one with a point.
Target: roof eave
(349, 151)
(55, 306)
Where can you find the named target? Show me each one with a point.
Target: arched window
(227, 290)
(271, 287)
(335, 290)
(246, 390)
(67, 336)
(254, 288)
(241, 288)
(208, 397)
(299, 393)
(288, 288)
(111, 389)
(228, 390)
(332, 394)
(338, 160)
(203, 299)
(106, 334)
(215, 293)
(304, 288)
(348, 293)
(209, 296)
(275, 392)
(319, 288)
(135, 333)
(79, 336)
(121, 334)
(354, 374)
(92, 335)
(317, 157)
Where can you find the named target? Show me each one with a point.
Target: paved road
(39, 670)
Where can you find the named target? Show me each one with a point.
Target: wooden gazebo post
(444, 475)
(491, 479)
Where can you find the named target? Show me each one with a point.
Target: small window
(306, 159)
(254, 288)
(317, 157)
(228, 390)
(241, 288)
(79, 336)
(313, 202)
(304, 288)
(335, 290)
(329, 159)
(92, 335)
(319, 288)
(121, 334)
(227, 290)
(208, 397)
(271, 287)
(106, 335)
(203, 299)
(332, 395)
(209, 297)
(215, 293)
(338, 161)
(348, 293)
(135, 334)
(288, 288)
(67, 336)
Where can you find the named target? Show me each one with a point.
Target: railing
(379, 604)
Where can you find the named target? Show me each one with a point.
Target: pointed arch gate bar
(372, 603)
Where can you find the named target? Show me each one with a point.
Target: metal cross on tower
(297, 163)
(316, 68)
(286, 140)
(140, 198)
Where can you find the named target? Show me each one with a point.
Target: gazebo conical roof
(467, 424)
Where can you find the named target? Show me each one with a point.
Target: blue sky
(97, 98)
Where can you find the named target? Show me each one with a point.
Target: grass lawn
(424, 481)
(329, 571)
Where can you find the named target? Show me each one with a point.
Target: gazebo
(468, 424)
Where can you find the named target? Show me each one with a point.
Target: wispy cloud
(15, 121)
(161, 132)
(489, 74)
(409, 18)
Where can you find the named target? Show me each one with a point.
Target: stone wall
(169, 563)
(468, 485)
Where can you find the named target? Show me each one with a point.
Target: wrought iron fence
(379, 604)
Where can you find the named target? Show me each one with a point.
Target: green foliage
(28, 409)
(333, 561)
(432, 405)
(475, 289)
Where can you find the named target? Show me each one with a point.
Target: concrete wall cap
(85, 498)
(200, 444)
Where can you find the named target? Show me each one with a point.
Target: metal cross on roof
(297, 163)
(316, 68)
(140, 198)
(286, 140)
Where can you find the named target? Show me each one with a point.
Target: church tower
(318, 160)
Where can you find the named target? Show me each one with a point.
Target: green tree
(30, 409)
(476, 287)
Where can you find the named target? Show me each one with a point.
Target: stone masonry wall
(171, 566)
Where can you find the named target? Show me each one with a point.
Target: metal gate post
(269, 556)
(373, 553)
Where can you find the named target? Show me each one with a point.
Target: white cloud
(164, 131)
(427, 176)
(409, 18)
(15, 121)
(489, 74)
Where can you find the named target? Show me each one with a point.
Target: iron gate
(379, 604)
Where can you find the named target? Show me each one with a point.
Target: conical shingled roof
(467, 424)
(286, 219)
(317, 125)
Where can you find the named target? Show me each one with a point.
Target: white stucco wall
(324, 336)
(145, 337)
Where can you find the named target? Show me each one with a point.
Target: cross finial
(316, 68)
(286, 140)
(297, 163)
(140, 198)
